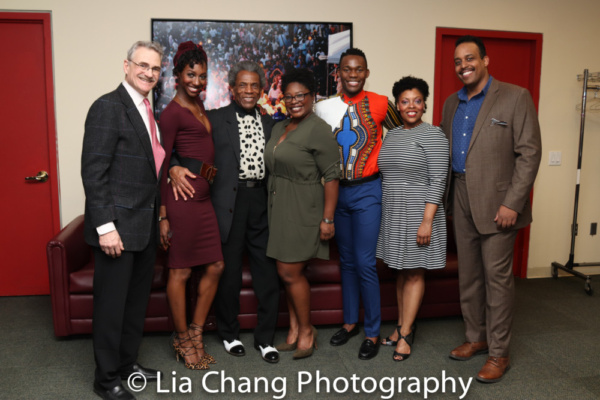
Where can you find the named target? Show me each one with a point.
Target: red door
(515, 57)
(30, 210)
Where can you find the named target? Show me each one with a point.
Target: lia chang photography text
(217, 382)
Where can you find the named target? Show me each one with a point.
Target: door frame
(521, 250)
(45, 20)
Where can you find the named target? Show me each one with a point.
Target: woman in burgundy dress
(188, 229)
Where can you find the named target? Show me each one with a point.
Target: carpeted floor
(555, 355)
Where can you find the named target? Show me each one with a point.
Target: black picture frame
(275, 45)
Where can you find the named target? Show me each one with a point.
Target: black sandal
(390, 342)
(409, 339)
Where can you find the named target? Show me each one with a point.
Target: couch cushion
(81, 281)
(449, 271)
(328, 271)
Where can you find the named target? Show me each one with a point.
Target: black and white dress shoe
(148, 373)
(368, 349)
(342, 336)
(235, 348)
(116, 393)
(267, 352)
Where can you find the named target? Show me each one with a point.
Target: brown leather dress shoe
(493, 370)
(467, 350)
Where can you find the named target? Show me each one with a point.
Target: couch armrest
(70, 246)
(66, 252)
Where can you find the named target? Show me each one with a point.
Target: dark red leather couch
(441, 291)
(71, 269)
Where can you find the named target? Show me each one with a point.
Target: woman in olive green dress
(300, 154)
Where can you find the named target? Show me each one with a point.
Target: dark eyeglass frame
(145, 67)
(298, 97)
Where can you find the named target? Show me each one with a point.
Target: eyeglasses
(298, 97)
(145, 67)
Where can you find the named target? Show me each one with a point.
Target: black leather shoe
(235, 348)
(267, 352)
(116, 393)
(342, 336)
(368, 349)
(149, 373)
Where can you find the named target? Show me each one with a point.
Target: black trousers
(121, 292)
(249, 232)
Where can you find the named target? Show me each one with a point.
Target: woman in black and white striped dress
(414, 165)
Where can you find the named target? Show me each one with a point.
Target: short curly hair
(409, 83)
(472, 39)
(302, 76)
(191, 58)
(354, 52)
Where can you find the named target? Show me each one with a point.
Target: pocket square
(497, 122)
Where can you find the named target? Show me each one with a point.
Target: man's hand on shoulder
(111, 244)
(179, 182)
(505, 218)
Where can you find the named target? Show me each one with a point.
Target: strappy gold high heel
(185, 348)
(196, 331)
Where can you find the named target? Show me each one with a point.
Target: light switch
(555, 158)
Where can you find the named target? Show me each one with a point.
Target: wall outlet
(593, 228)
(555, 158)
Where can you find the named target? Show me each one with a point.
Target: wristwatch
(328, 221)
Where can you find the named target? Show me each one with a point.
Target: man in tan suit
(495, 144)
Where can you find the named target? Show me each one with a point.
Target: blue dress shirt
(463, 124)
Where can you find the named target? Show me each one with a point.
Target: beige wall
(90, 40)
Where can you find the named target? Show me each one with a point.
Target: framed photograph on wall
(276, 46)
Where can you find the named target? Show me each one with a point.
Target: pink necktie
(157, 150)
